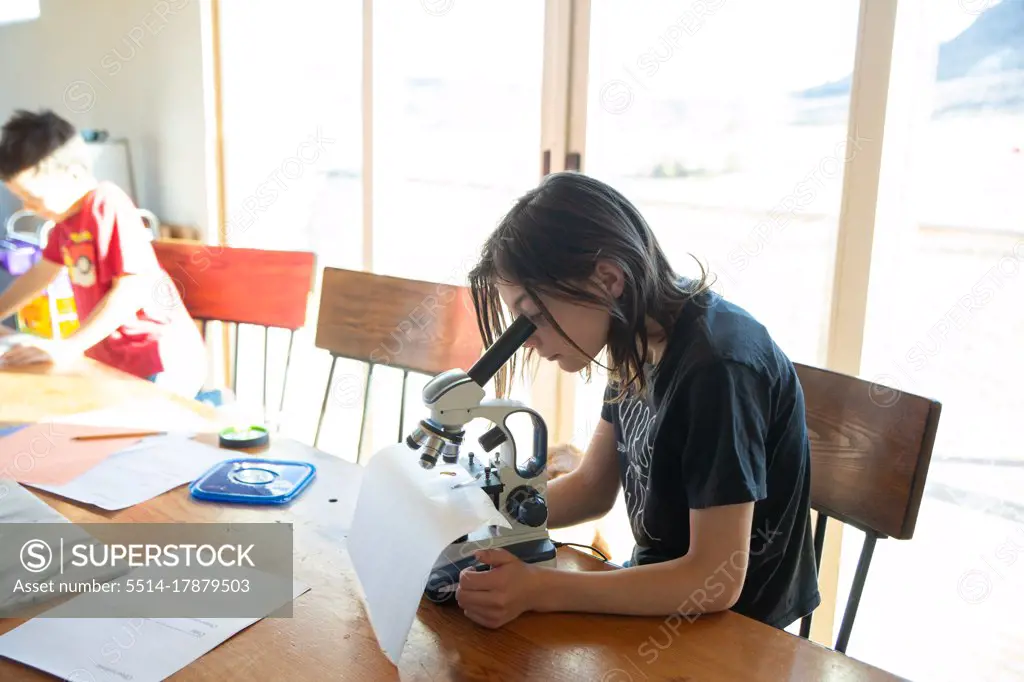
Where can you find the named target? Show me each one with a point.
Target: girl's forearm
(685, 587)
(571, 502)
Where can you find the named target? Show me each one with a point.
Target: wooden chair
(415, 326)
(871, 446)
(242, 286)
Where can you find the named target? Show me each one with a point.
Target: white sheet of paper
(18, 505)
(152, 415)
(118, 649)
(331, 508)
(405, 517)
(141, 472)
(9, 341)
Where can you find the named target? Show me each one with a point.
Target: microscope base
(445, 576)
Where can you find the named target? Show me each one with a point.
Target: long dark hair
(550, 243)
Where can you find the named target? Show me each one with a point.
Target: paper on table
(118, 649)
(46, 453)
(141, 472)
(150, 415)
(331, 508)
(9, 341)
(18, 505)
(405, 517)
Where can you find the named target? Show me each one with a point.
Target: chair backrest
(244, 286)
(409, 324)
(871, 447)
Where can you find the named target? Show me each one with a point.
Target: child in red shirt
(131, 316)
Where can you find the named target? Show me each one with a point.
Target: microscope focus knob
(532, 511)
(527, 506)
(492, 439)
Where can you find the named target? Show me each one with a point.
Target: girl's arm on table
(708, 578)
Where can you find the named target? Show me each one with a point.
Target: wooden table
(330, 638)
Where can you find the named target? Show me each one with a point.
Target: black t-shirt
(724, 424)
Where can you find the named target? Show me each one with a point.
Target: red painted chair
(242, 286)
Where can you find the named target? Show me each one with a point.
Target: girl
(703, 422)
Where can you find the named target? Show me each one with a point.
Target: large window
(947, 323)
(704, 115)
(456, 118)
(291, 79)
(291, 76)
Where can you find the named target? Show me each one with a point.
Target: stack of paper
(153, 415)
(49, 453)
(110, 473)
(118, 649)
(100, 649)
(18, 505)
(139, 473)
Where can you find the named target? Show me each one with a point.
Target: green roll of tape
(247, 437)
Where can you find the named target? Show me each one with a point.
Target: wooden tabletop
(329, 637)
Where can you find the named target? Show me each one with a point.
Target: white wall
(134, 68)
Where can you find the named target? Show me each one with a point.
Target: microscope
(518, 490)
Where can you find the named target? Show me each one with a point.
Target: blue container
(254, 480)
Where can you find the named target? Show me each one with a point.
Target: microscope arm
(498, 412)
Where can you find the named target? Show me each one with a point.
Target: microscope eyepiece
(484, 369)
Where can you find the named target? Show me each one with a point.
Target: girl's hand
(497, 596)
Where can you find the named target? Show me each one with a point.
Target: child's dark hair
(28, 139)
(550, 243)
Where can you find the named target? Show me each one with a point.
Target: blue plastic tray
(254, 480)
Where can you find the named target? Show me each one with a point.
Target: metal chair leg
(861, 574)
(401, 412)
(287, 364)
(327, 396)
(234, 374)
(366, 406)
(805, 626)
(266, 353)
(820, 527)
